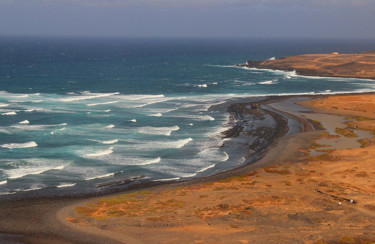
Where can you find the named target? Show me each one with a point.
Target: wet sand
(289, 195)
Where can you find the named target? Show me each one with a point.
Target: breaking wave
(269, 82)
(167, 131)
(20, 145)
(107, 142)
(99, 153)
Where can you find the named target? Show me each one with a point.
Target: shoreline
(281, 149)
(43, 204)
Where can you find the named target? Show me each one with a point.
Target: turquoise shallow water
(78, 112)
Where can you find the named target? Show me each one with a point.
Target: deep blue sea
(76, 112)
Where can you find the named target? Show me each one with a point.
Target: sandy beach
(315, 186)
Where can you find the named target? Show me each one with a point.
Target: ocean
(75, 113)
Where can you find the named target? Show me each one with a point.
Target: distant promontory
(324, 65)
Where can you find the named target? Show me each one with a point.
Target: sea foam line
(206, 168)
(100, 176)
(63, 185)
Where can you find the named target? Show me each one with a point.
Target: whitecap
(167, 131)
(201, 85)
(25, 126)
(30, 170)
(29, 110)
(20, 145)
(87, 96)
(10, 113)
(25, 122)
(269, 82)
(156, 115)
(3, 182)
(182, 143)
(107, 142)
(110, 126)
(133, 120)
(104, 103)
(195, 117)
(272, 58)
(99, 153)
(152, 161)
(2, 105)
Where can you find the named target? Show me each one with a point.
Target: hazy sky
(190, 18)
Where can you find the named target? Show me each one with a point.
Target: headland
(323, 65)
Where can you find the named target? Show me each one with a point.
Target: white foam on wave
(206, 168)
(188, 175)
(141, 97)
(25, 122)
(214, 154)
(107, 142)
(110, 126)
(3, 182)
(20, 96)
(167, 131)
(196, 117)
(182, 143)
(86, 96)
(272, 58)
(31, 170)
(30, 110)
(33, 188)
(201, 85)
(99, 153)
(150, 101)
(168, 179)
(104, 103)
(63, 185)
(268, 82)
(20, 145)
(156, 115)
(26, 126)
(10, 113)
(100, 176)
(2, 105)
(133, 120)
(152, 161)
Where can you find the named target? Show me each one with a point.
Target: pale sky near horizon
(190, 18)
